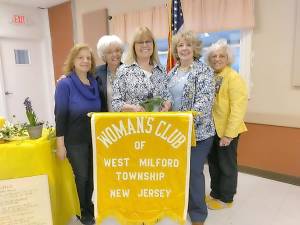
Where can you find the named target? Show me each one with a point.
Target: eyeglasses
(148, 42)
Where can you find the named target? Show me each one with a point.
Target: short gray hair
(220, 44)
(105, 41)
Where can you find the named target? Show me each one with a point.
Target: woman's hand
(225, 141)
(138, 108)
(166, 106)
(61, 78)
(61, 151)
(132, 108)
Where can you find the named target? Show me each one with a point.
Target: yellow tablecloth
(2, 121)
(35, 157)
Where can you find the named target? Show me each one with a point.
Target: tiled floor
(259, 201)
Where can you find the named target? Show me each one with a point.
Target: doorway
(23, 76)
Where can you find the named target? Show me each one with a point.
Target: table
(36, 157)
(2, 121)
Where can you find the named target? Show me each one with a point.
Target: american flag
(176, 24)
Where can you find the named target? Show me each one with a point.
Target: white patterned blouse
(197, 95)
(132, 86)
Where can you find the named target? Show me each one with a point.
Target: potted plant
(34, 127)
(12, 132)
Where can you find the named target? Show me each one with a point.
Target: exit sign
(19, 19)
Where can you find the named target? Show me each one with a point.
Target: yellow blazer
(230, 103)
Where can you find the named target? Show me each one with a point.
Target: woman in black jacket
(110, 49)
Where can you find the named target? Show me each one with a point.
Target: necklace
(185, 68)
(85, 81)
(178, 78)
(111, 76)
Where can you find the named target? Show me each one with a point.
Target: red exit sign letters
(19, 19)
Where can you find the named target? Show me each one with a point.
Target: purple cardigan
(73, 100)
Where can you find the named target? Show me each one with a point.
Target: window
(232, 37)
(21, 56)
(240, 42)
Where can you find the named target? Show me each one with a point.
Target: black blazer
(101, 77)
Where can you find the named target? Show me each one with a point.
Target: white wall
(296, 64)
(36, 29)
(273, 98)
(32, 30)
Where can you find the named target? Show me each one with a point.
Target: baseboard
(270, 175)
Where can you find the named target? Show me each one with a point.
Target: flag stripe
(175, 24)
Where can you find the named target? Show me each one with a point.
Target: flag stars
(176, 23)
(177, 16)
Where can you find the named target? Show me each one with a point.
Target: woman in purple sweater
(75, 96)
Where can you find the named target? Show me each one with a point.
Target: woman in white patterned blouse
(141, 76)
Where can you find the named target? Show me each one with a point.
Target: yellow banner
(141, 166)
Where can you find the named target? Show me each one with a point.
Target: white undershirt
(147, 73)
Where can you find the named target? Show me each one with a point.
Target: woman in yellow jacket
(228, 113)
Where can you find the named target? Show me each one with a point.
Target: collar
(224, 72)
(90, 92)
(155, 66)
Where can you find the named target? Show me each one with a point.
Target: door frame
(3, 106)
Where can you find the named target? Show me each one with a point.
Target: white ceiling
(35, 3)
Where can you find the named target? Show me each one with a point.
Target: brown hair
(69, 63)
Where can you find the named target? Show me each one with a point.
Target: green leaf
(152, 103)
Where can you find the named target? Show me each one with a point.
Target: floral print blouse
(198, 95)
(132, 86)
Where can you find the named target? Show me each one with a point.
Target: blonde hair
(219, 45)
(189, 37)
(69, 63)
(104, 43)
(139, 34)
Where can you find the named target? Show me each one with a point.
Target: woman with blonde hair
(141, 76)
(192, 88)
(75, 96)
(228, 112)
